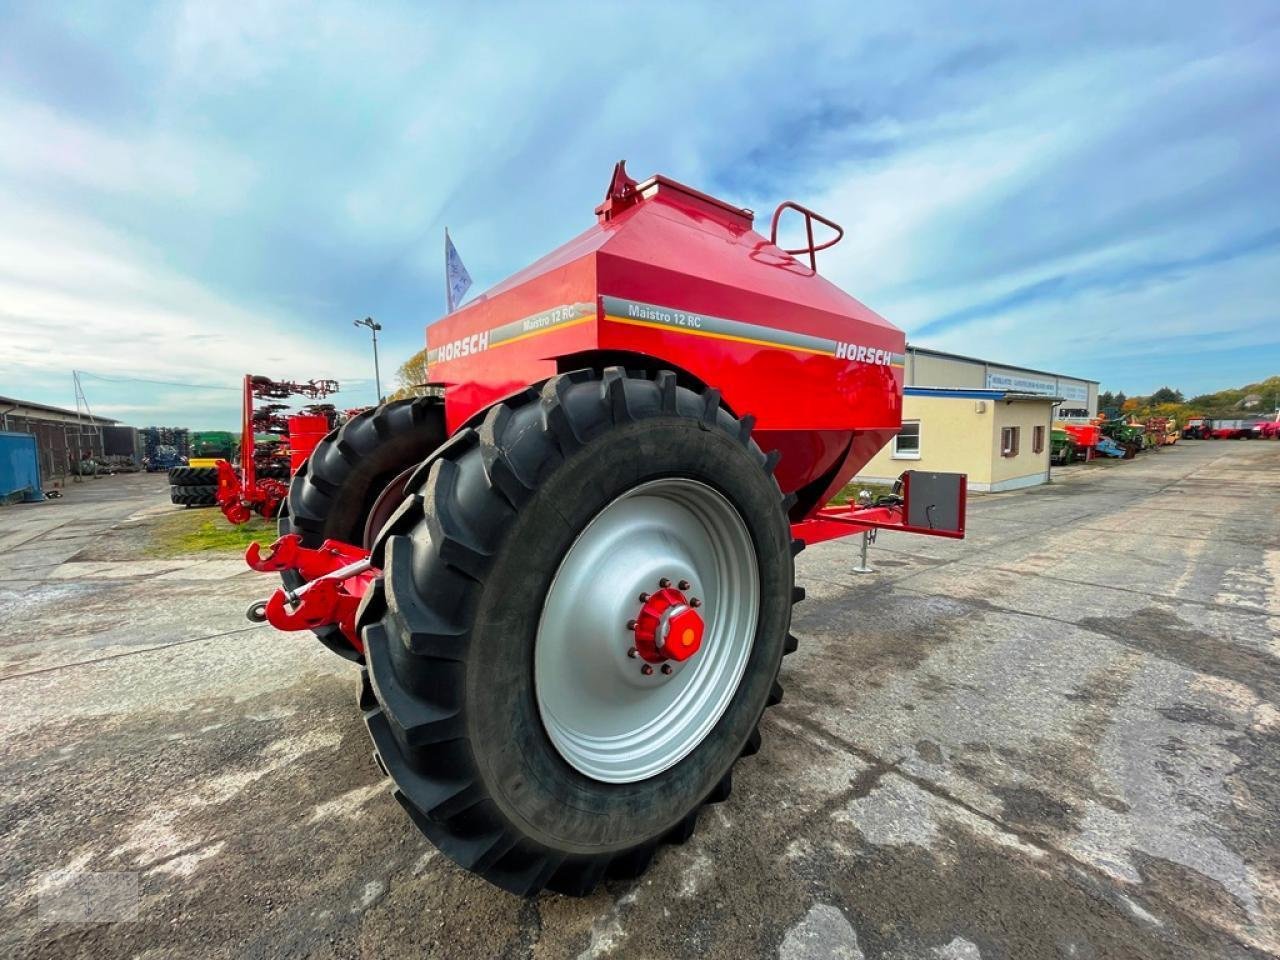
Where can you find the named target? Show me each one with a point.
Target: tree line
(1254, 399)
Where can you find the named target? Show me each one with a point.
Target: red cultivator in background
(260, 485)
(569, 572)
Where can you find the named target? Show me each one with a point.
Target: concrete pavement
(1058, 738)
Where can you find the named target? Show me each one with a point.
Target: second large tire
(193, 496)
(453, 627)
(333, 493)
(193, 476)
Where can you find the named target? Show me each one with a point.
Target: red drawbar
(324, 599)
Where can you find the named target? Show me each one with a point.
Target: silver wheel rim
(605, 716)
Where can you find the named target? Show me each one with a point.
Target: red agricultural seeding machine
(568, 573)
(274, 443)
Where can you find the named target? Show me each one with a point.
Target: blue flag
(456, 279)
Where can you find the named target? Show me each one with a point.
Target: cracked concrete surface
(1058, 738)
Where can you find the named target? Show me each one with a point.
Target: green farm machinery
(1062, 448)
(1129, 437)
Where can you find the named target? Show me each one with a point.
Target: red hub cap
(668, 628)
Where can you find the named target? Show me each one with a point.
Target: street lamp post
(373, 329)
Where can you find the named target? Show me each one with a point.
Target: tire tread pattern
(193, 476)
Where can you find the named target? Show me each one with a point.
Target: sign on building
(1027, 383)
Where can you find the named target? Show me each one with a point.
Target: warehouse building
(62, 436)
(933, 368)
(990, 421)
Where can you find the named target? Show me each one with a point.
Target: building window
(906, 445)
(1009, 441)
(1037, 440)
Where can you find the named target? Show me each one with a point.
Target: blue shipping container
(19, 468)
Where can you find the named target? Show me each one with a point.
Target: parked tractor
(568, 572)
(210, 446)
(1196, 428)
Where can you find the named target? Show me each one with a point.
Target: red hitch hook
(337, 575)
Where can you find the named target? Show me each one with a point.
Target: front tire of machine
(451, 626)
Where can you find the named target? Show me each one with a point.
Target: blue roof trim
(974, 394)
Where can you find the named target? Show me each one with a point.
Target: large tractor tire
(193, 476)
(583, 608)
(354, 480)
(193, 495)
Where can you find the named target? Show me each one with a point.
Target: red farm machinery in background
(1204, 428)
(1085, 437)
(274, 443)
(567, 573)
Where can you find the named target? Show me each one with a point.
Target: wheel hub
(668, 628)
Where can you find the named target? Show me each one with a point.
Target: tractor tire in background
(200, 495)
(353, 481)
(510, 687)
(193, 476)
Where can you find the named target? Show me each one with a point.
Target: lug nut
(695, 602)
(644, 598)
(647, 670)
(666, 668)
(631, 624)
(632, 653)
(683, 584)
(664, 582)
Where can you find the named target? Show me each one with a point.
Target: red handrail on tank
(809, 216)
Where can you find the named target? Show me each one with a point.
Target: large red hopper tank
(669, 272)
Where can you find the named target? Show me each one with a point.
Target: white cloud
(76, 295)
(1182, 319)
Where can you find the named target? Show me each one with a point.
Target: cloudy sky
(190, 192)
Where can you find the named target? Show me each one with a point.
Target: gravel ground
(1058, 738)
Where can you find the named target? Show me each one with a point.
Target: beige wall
(1025, 415)
(927, 371)
(962, 435)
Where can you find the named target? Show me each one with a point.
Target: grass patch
(851, 490)
(197, 531)
(222, 535)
